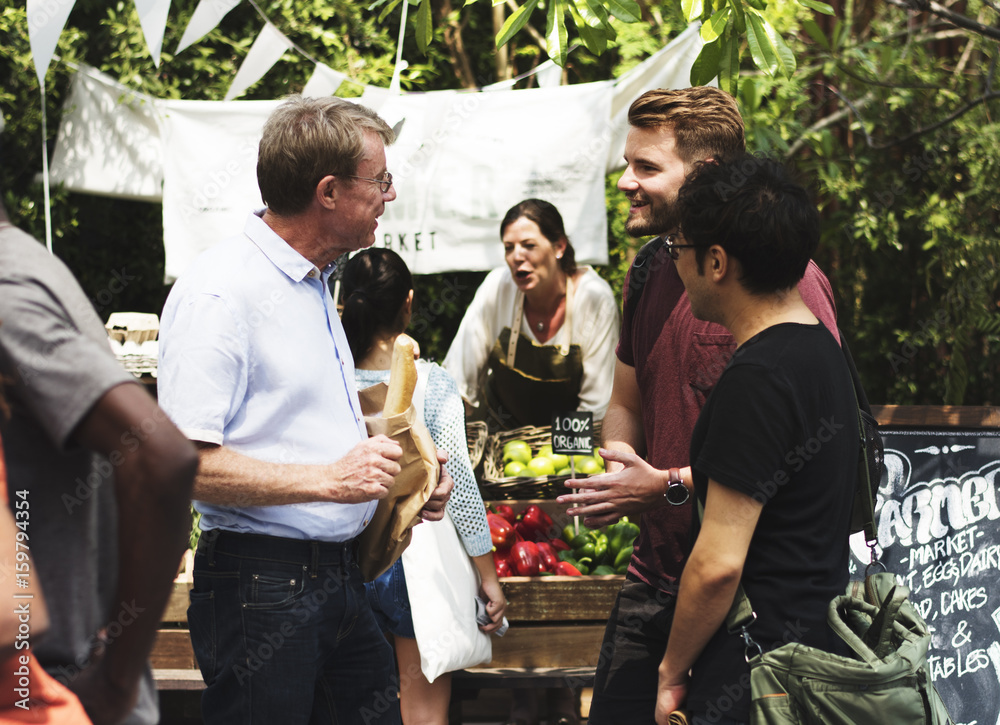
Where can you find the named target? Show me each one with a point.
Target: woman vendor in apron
(539, 337)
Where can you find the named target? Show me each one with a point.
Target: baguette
(402, 377)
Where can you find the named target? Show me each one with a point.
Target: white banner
(209, 174)
(463, 159)
(109, 140)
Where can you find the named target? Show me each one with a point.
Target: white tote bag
(442, 584)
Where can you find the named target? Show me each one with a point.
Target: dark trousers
(283, 634)
(633, 647)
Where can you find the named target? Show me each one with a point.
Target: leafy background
(888, 112)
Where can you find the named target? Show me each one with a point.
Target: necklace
(540, 326)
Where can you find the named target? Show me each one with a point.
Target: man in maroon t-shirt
(667, 363)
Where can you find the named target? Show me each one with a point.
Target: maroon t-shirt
(677, 360)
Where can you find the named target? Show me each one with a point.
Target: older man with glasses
(255, 367)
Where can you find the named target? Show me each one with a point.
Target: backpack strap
(863, 508)
(639, 273)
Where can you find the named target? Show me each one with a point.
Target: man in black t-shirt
(775, 447)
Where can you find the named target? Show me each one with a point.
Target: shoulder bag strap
(863, 511)
(639, 274)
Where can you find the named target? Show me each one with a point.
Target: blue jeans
(283, 634)
(390, 602)
(634, 642)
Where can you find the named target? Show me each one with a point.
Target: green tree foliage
(890, 118)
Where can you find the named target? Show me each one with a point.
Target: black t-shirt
(780, 426)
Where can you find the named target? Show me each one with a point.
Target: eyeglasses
(672, 246)
(385, 183)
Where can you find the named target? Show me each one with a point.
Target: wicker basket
(476, 433)
(495, 485)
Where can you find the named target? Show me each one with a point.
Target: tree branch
(985, 98)
(457, 55)
(956, 19)
(830, 120)
(885, 84)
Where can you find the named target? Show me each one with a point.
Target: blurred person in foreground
(776, 518)
(378, 304)
(289, 478)
(563, 318)
(27, 692)
(104, 475)
(667, 363)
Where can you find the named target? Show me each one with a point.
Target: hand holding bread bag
(389, 410)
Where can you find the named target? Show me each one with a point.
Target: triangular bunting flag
(324, 82)
(207, 16)
(153, 19)
(46, 20)
(264, 53)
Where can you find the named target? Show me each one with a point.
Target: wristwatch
(676, 493)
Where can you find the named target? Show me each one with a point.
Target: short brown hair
(705, 120)
(306, 139)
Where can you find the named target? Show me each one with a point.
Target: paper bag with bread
(389, 410)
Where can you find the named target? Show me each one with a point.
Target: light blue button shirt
(253, 357)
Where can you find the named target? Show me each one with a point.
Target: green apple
(513, 469)
(559, 460)
(589, 466)
(540, 466)
(516, 450)
(578, 460)
(564, 472)
(545, 451)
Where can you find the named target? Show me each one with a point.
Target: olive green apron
(545, 380)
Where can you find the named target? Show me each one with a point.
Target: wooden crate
(555, 622)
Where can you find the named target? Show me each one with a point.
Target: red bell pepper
(537, 524)
(524, 559)
(501, 562)
(559, 545)
(525, 533)
(567, 569)
(505, 511)
(548, 555)
(501, 530)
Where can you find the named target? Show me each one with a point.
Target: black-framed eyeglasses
(385, 183)
(672, 245)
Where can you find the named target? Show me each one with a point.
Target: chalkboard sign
(939, 532)
(573, 433)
